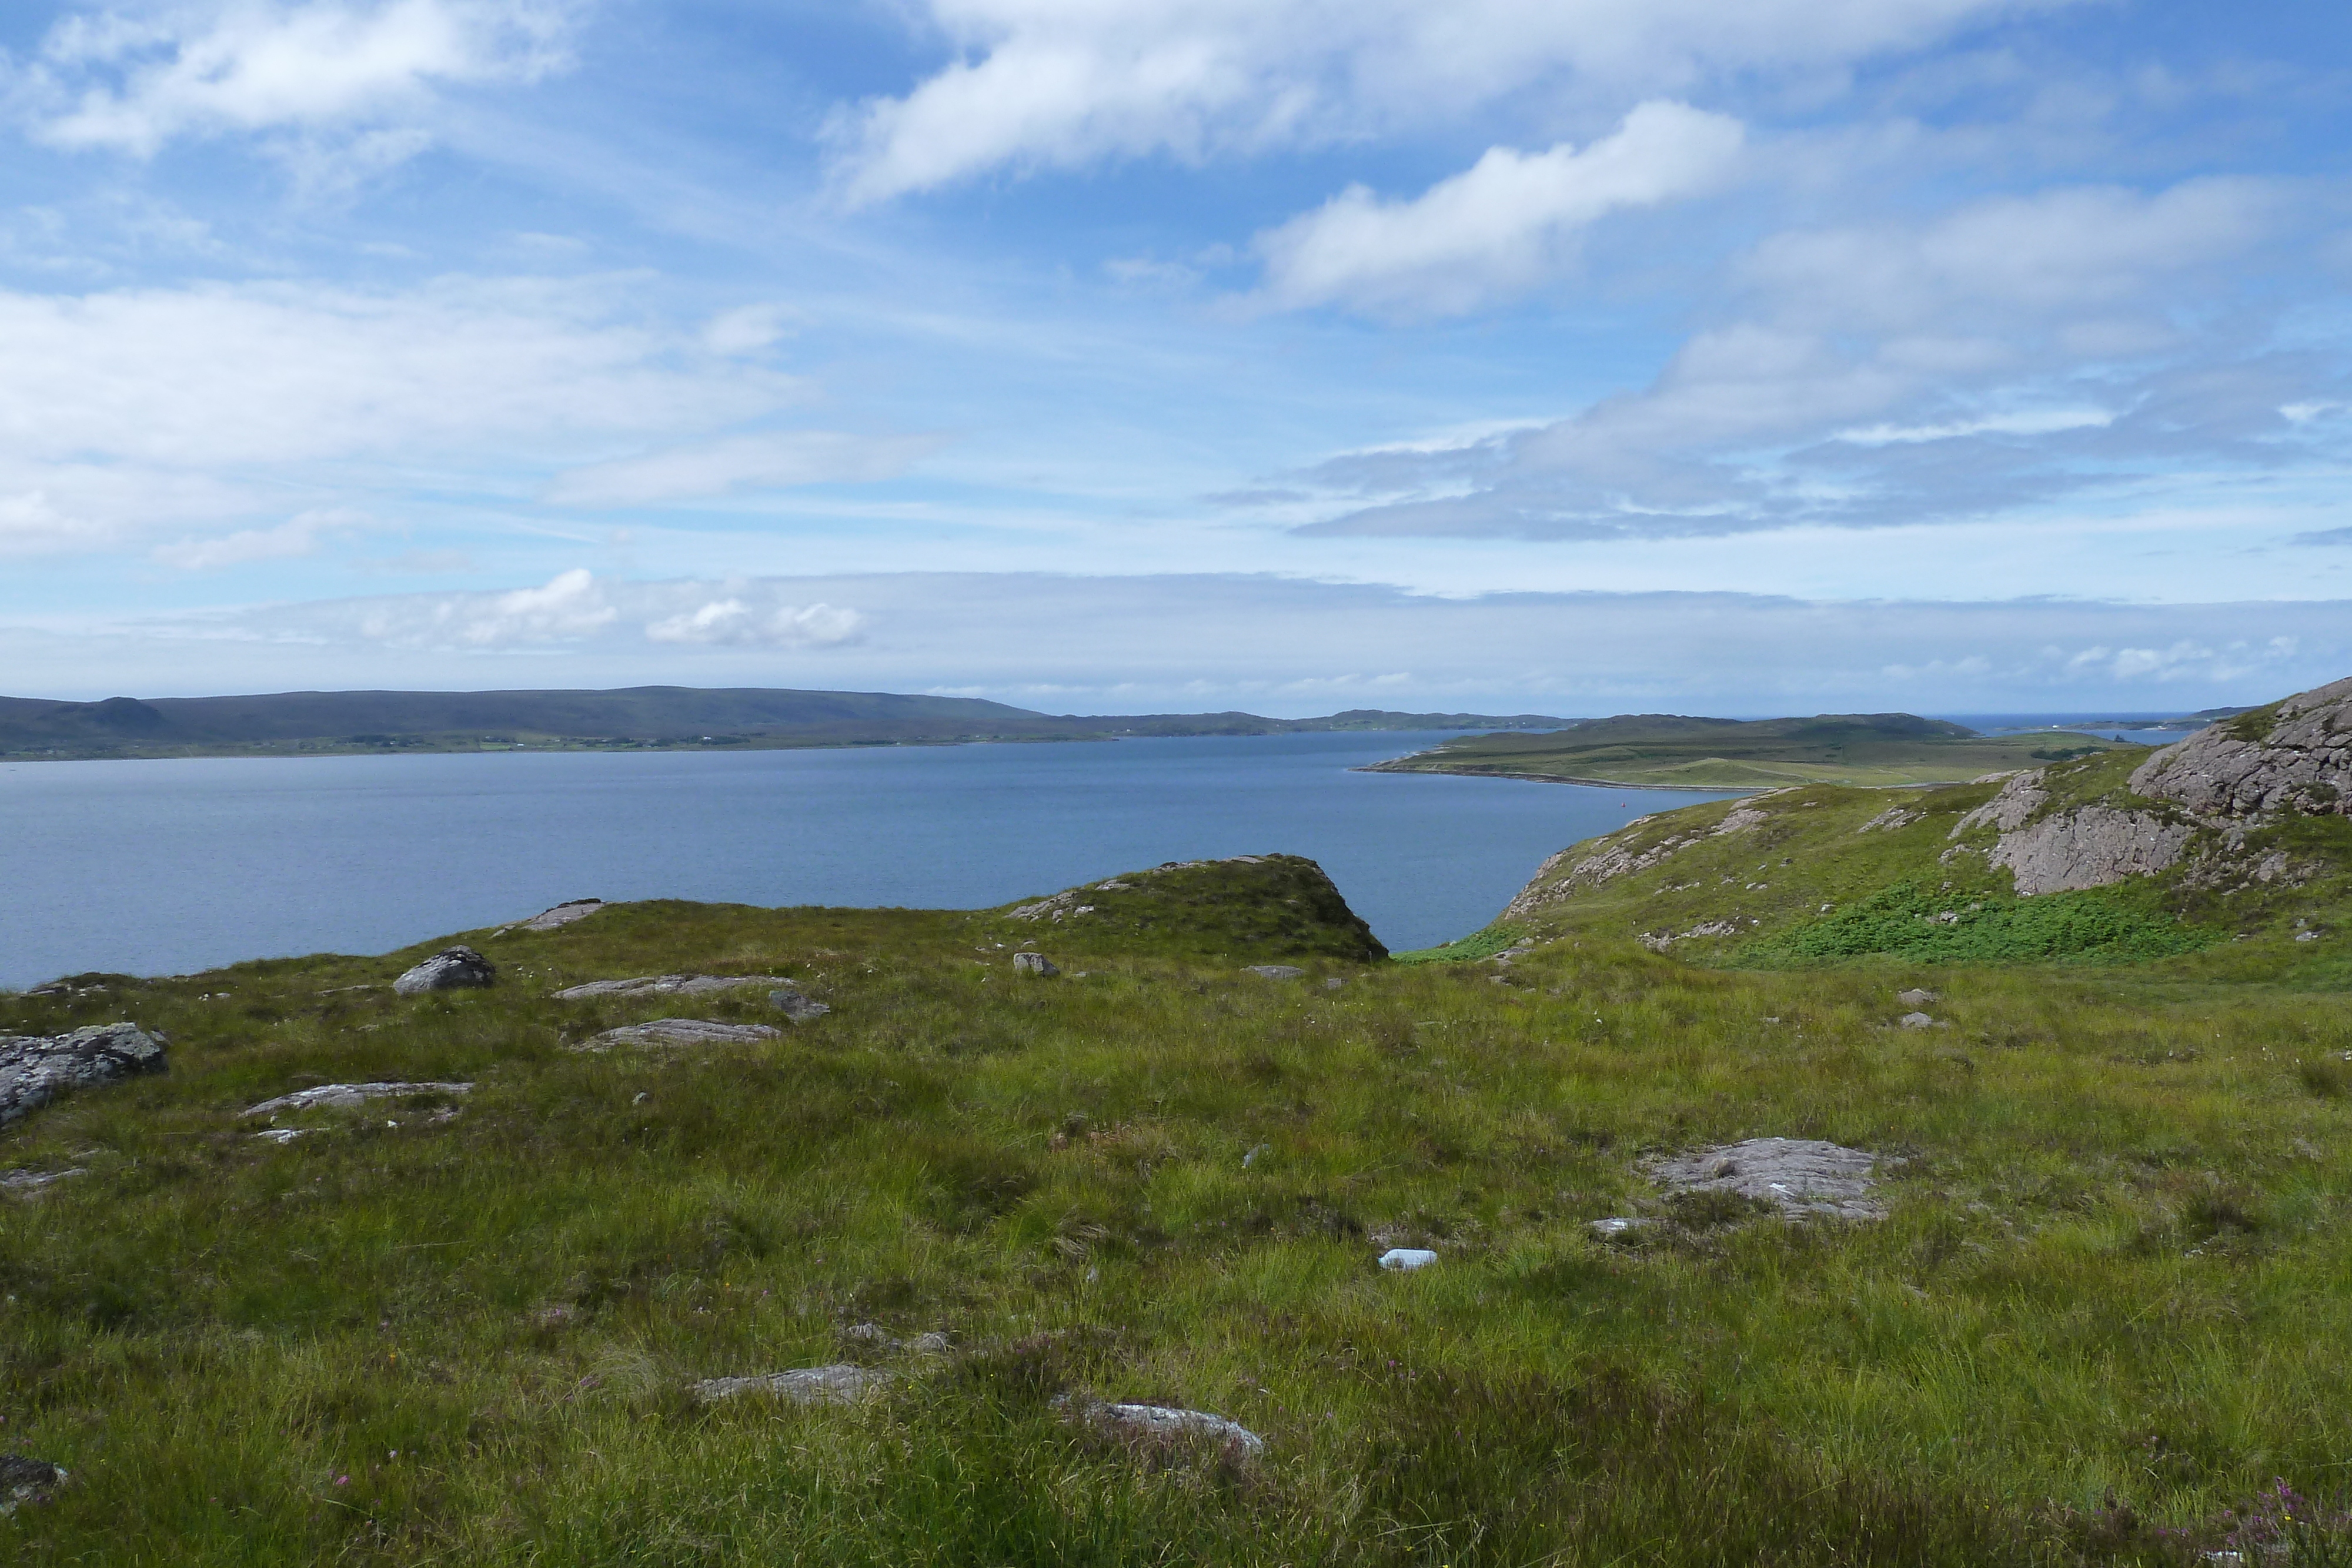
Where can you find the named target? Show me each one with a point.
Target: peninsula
(1665, 751)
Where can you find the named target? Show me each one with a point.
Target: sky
(1567, 356)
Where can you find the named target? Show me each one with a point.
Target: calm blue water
(168, 867)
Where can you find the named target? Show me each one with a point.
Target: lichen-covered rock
(2090, 846)
(23, 1480)
(2301, 762)
(351, 1096)
(668, 985)
(682, 1032)
(450, 969)
(1799, 1176)
(2011, 807)
(1163, 1426)
(37, 1069)
(839, 1385)
(563, 914)
(1033, 964)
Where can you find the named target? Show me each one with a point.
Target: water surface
(164, 867)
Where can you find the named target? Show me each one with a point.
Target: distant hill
(1669, 751)
(658, 716)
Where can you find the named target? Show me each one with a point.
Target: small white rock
(1407, 1258)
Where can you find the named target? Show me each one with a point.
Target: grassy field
(2108, 1302)
(1661, 751)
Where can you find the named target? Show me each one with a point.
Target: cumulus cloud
(1067, 83)
(132, 82)
(575, 609)
(2005, 353)
(1496, 229)
(774, 461)
(733, 621)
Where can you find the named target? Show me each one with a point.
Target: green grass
(1921, 922)
(2109, 1296)
(1497, 938)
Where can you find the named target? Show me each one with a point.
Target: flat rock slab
(672, 985)
(682, 1032)
(1163, 1424)
(1274, 971)
(838, 1384)
(1801, 1176)
(37, 1069)
(34, 1181)
(450, 969)
(349, 1096)
(563, 914)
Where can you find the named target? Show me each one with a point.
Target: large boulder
(450, 969)
(2294, 757)
(37, 1069)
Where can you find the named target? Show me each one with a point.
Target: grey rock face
(563, 914)
(796, 1007)
(1162, 1424)
(668, 985)
(2303, 764)
(681, 1033)
(2011, 807)
(351, 1096)
(1801, 1176)
(23, 1480)
(838, 1384)
(2091, 846)
(1274, 971)
(450, 969)
(37, 1069)
(1032, 963)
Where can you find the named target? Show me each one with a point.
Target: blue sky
(1109, 355)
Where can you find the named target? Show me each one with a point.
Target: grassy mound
(2107, 1301)
(1247, 909)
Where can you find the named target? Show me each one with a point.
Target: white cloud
(748, 328)
(161, 410)
(1498, 228)
(298, 536)
(2010, 351)
(733, 621)
(750, 462)
(571, 607)
(1067, 83)
(133, 82)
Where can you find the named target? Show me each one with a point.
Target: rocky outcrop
(450, 969)
(2237, 769)
(2067, 851)
(563, 914)
(37, 1069)
(1614, 856)
(2090, 846)
(670, 986)
(1798, 1176)
(1033, 964)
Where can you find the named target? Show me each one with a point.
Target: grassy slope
(2115, 1266)
(1661, 752)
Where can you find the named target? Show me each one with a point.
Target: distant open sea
(170, 866)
